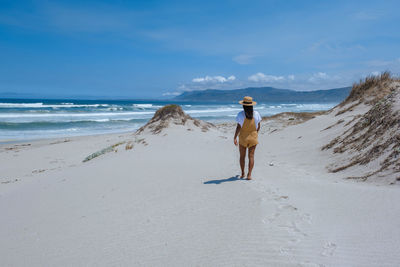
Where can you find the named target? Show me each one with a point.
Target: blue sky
(162, 48)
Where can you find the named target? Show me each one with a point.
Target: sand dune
(174, 199)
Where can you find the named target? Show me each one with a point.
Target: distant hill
(267, 94)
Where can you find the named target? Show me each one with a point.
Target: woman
(248, 125)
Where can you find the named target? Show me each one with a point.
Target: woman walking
(248, 125)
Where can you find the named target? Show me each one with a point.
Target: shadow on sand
(231, 179)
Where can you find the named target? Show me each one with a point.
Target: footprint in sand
(292, 229)
(310, 264)
(38, 171)
(10, 181)
(328, 249)
(287, 207)
(294, 241)
(280, 198)
(285, 250)
(306, 218)
(272, 218)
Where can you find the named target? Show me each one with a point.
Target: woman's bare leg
(242, 151)
(251, 161)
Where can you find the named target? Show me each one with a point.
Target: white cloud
(318, 77)
(261, 77)
(210, 82)
(243, 59)
(171, 94)
(322, 77)
(375, 73)
(214, 79)
(291, 77)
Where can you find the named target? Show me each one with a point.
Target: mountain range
(267, 95)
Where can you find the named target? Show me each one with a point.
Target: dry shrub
(371, 89)
(333, 125)
(129, 145)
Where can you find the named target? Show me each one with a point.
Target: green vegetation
(103, 151)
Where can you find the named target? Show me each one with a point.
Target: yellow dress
(248, 135)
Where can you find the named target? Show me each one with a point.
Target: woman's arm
(238, 127)
(259, 119)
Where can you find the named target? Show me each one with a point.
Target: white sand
(173, 200)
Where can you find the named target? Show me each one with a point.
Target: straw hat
(247, 101)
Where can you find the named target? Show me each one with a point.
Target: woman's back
(240, 117)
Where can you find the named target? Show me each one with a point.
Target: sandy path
(335, 222)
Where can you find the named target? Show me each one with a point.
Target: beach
(199, 133)
(169, 195)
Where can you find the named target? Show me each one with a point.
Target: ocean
(27, 119)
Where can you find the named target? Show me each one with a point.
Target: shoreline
(74, 137)
(53, 121)
(221, 123)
